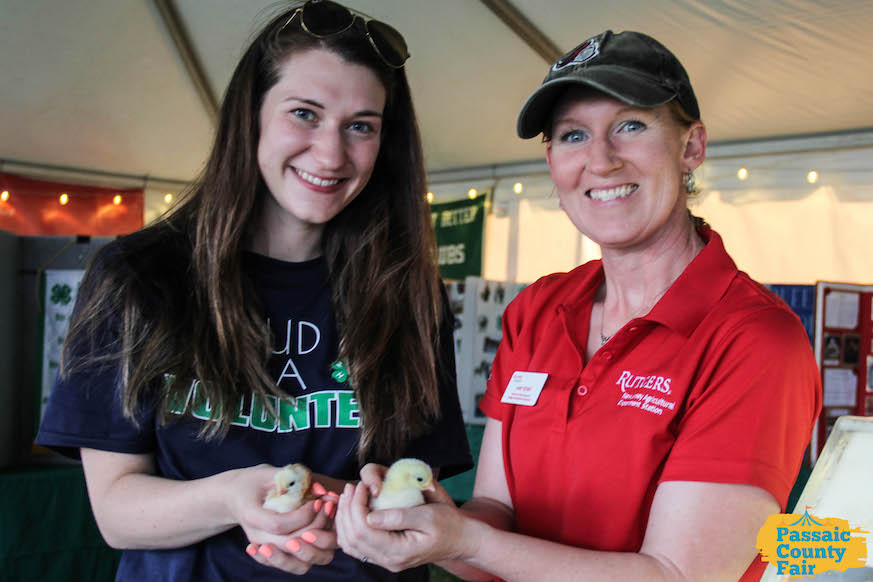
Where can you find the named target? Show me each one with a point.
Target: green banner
(459, 227)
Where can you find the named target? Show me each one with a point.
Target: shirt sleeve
(445, 445)
(750, 414)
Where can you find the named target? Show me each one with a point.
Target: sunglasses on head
(323, 18)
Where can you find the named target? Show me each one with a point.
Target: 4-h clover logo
(61, 294)
(339, 372)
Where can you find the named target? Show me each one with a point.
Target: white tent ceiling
(99, 84)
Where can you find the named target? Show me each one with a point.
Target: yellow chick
(403, 485)
(290, 486)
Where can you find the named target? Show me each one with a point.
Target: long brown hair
(172, 301)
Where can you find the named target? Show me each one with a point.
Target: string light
(4, 196)
(117, 199)
(517, 188)
(812, 177)
(429, 197)
(168, 198)
(472, 194)
(64, 199)
(742, 173)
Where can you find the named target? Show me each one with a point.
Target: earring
(688, 182)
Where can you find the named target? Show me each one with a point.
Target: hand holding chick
(409, 533)
(404, 483)
(290, 488)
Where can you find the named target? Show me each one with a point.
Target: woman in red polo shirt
(647, 411)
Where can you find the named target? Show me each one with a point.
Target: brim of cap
(627, 87)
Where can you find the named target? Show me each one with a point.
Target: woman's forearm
(488, 511)
(140, 511)
(515, 557)
(493, 550)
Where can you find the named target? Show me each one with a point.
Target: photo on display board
(456, 296)
(851, 349)
(477, 412)
(832, 349)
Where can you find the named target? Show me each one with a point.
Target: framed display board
(843, 347)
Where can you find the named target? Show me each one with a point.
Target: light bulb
(812, 177)
(742, 173)
(472, 194)
(168, 198)
(517, 188)
(4, 196)
(429, 197)
(117, 199)
(64, 199)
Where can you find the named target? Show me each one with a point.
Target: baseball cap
(629, 66)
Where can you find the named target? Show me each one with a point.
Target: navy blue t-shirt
(322, 431)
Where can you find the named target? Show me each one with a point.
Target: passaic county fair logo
(804, 545)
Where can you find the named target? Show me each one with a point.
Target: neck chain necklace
(697, 245)
(605, 338)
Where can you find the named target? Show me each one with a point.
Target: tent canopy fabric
(99, 84)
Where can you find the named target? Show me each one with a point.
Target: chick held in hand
(290, 488)
(403, 485)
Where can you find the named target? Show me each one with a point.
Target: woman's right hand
(137, 509)
(398, 539)
(293, 541)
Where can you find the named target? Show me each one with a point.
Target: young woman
(289, 311)
(679, 395)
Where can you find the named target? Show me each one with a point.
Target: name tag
(524, 388)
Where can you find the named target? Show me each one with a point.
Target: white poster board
(478, 305)
(59, 296)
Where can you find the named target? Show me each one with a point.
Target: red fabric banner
(33, 207)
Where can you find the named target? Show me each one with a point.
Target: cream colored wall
(776, 225)
(796, 241)
(155, 204)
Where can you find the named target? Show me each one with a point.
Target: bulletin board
(478, 306)
(844, 352)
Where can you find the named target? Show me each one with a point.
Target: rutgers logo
(579, 55)
(631, 381)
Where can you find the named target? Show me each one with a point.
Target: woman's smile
(611, 193)
(319, 184)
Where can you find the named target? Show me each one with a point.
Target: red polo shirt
(717, 383)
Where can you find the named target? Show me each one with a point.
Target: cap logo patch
(579, 55)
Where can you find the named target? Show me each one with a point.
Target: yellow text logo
(805, 545)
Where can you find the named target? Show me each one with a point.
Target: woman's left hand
(397, 539)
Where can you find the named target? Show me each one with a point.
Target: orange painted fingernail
(318, 489)
(329, 508)
(251, 549)
(266, 551)
(310, 537)
(293, 545)
(318, 504)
